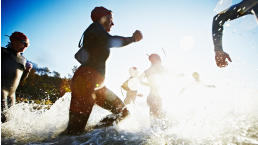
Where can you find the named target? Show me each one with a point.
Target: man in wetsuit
(243, 8)
(86, 86)
(14, 68)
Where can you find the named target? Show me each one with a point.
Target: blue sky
(182, 28)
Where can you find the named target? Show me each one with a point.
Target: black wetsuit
(90, 76)
(98, 43)
(13, 68)
(243, 8)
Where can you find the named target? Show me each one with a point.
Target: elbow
(215, 21)
(217, 24)
(215, 18)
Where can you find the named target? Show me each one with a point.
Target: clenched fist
(137, 36)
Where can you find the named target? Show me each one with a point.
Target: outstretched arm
(97, 31)
(118, 41)
(232, 13)
(235, 11)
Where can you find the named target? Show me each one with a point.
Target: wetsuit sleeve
(112, 41)
(235, 11)
(119, 41)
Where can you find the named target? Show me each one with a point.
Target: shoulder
(97, 27)
(93, 26)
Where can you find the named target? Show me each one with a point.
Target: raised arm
(243, 8)
(97, 31)
(119, 41)
(235, 11)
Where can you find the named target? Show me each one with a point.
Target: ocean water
(195, 114)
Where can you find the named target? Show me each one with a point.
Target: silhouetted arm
(235, 11)
(119, 41)
(112, 41)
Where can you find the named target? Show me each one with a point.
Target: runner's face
(19, 45)
(108, 23)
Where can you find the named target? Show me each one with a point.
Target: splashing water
(197, 115)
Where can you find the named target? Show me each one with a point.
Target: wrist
(218, 49)
(133, 39)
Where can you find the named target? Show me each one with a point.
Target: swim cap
(99, 12)
(18, 36)
(154, 57)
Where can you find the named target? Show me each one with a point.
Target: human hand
(220, 57)
(28, 66)
(137, 35)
